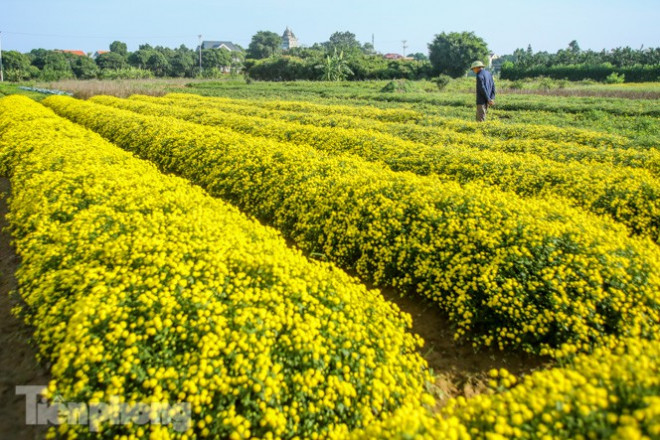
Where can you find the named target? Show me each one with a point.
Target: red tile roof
(75, 52)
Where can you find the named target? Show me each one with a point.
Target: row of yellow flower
(631, 196)
(143, 287)
(610, 394)
(361, 111)
(507, 130)
(509, 271)
(493, 128)
(498, 137)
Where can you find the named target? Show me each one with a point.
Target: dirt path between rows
(18, 364)
(460, 369)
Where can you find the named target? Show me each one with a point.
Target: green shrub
(400, 86)
(615, 78)
(517, 84)
(442, 81)
(546, 84)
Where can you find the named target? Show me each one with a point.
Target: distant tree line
(146, 62)
(573, 63)
(342, 57)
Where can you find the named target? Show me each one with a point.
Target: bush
(612, 393)
(48, 74)
(291, 68)
(615, 78)
(283, 68)
(400, 86)
(517, 84)
(13, 75)
(546, 84)
(442, 81)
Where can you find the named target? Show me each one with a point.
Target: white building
(289, 40)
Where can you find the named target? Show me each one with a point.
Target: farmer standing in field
(485, 90)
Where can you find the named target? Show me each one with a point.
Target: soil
(18, 365)
(460, 369)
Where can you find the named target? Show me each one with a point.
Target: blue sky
(505, 25)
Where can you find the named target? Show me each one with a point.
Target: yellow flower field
(630, 195)
(611, 393)
(510, 272)
(154, 268)
(560, 143)
(142, 286)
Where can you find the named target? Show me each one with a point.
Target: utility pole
(200, 52)
(2, 78)
(404, 47)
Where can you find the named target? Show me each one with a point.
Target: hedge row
(610, 394)
(580, 72)
(142, 286)
(509, 271)
(564, 145)
(351, 116)
(308, 108)
(629, 195)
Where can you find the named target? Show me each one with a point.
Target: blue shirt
(485, 87)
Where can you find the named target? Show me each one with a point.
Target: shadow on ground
(18, 364)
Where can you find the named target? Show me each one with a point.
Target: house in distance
(231, 47)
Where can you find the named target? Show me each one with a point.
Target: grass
(7, 88)
(121, 88)
(627, 109)
(551, 87)
(538, 86)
